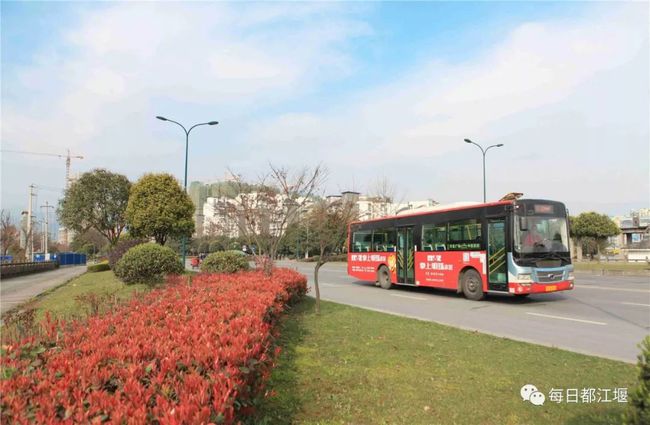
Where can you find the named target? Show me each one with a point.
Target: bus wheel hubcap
(472, 286)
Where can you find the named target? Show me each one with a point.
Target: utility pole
(47, 226)
(29, 252)
(68, 159)
(42, 241)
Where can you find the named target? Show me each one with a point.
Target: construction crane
(68, 159)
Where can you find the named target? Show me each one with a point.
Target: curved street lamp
(187, 139)
(187, 142)
(483, 151)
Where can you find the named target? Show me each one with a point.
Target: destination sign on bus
(543, 209)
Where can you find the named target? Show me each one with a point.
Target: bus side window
(465, 234)
(384, 240)
(434, 237)
(361, 241)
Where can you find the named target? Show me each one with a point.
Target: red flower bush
(183, 354)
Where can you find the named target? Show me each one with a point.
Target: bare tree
(329, 222)
(263, 211)
(9, 234)
(384, 194)
(383, 189)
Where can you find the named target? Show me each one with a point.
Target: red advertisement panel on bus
(518, 247)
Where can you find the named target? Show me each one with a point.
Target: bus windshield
(541, 234)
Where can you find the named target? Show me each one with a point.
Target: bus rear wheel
(383, 277)
(472, 285)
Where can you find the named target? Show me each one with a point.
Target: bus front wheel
(472, 285)
(383, 277)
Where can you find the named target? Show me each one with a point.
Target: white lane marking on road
(567, 318)
(408, 296)
(331, 285)
(610, 288)
(642, 305)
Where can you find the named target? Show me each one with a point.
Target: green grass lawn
(101, 290)
(355, 366)
(62, 302)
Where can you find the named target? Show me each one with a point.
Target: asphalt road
(17, 290)
(605, 316)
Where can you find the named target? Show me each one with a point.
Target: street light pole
(187, 144)
(47, 226)
(483, 151)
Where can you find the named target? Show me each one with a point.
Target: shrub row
(225, 262)
(147, 263)
(186, 353)
(99, 267)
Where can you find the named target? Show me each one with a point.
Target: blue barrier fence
(71, 258)
(63, 258)
(38, 257)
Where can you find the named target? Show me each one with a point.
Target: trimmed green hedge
(225, 262)
(147, 263)
(99, 267)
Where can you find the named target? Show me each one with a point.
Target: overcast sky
(368, 89)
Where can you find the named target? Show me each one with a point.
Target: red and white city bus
(519, 247)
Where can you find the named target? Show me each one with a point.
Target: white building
(635, 230)
(227, 216)
(371, 207)
(217, 219)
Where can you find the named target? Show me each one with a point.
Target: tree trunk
(270, 260)
(268, 266)
(160, 239)
(319, 263)
(579, 249)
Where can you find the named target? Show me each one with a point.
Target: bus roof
(439, 209)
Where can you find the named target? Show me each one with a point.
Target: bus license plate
(551, 288)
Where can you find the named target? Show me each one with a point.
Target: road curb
(604, 272)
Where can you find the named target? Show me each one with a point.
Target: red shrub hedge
(196, 353)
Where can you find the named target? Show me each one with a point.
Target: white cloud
(566, 91)
(119, 58)
(574, 92)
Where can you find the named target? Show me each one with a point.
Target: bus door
(405, 255)
(496, 253)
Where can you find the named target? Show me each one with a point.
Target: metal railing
(18, 269)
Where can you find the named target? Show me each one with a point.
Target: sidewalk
(17, 290)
